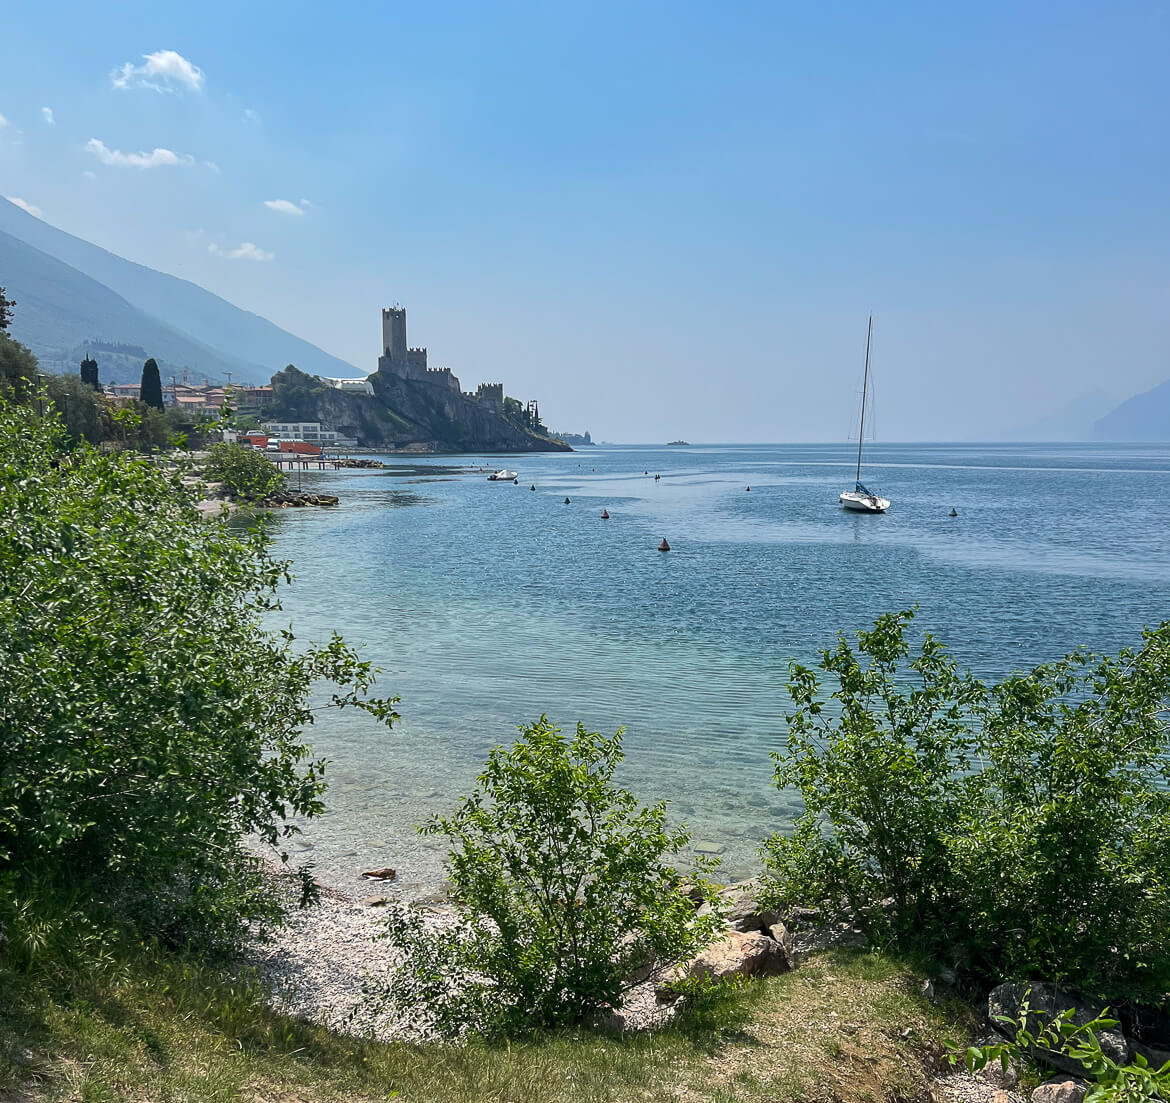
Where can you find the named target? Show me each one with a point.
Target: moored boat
(502, 476)
(860, 499)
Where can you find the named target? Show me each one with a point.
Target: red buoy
(605, 514)
(664, 546)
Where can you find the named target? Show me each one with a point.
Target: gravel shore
(318, 964)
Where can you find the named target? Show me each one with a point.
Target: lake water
(488, 604)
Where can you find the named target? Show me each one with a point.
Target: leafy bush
(1134, 1082)
(1021, 829)
(563, 890)
(148, 722)
(248, 474)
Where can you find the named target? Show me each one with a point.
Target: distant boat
(860, 499)
(502, 476)
(677, 443)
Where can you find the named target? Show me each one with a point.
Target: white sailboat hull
(863, 503)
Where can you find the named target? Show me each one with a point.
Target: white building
(310, 432)
(352, 386)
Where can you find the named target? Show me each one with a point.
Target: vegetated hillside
(59, 308)
(236, 335)
(1146, 416)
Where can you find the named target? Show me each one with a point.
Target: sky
(661, 220)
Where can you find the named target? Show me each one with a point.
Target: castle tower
(394, 333)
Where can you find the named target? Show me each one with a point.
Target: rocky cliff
(405, 414)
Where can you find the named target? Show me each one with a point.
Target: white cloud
(251, 118)
(305, 203)
(164, 71)
(47, 115)
(89, 174)
(283, 206)
(244, 251)
(152, 160)
(3, 122)
(36, 212)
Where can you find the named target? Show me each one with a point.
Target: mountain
(1145, 417)
(59, 310)
(1072, 421)
(233, 336)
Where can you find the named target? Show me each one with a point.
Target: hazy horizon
(659, 221)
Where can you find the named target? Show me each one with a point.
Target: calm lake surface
(488, 604)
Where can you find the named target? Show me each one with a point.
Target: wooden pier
(305, 463)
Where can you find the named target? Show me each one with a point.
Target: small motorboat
(502, 476)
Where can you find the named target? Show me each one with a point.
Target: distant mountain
(59, 310)
(250, 346)
(1144, 417)
(1072, 421)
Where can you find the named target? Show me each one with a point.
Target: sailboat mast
(864, 392)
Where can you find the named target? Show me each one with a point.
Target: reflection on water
(487, 605)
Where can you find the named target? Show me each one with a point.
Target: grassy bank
(146, 1025)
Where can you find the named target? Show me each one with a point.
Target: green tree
(249, 475)
(18, 369)
(149, 723)
(89, 373)
(79, 407)
(564, 888)
(150, 388)
(295, 395)
(6, 305)
(1021, 829)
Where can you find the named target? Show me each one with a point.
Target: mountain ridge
(231, 334)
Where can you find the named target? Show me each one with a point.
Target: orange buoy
(664, 546)
(605, 514)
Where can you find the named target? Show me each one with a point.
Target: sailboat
(859, 499)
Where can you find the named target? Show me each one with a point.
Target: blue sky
(659, 219)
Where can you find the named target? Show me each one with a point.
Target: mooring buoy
(953, 512)
(664, 546)
(566, 501)
(532, 487)
(605, 514)
(749, 489)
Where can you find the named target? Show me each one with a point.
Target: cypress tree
(89, 372)
(150, 390)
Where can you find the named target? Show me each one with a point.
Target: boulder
(784, 936)
(736, 954)
(741, 905)
(1045, 1003)
(1060, 1089)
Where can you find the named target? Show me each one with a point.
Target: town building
(311, 432)
(352, 386)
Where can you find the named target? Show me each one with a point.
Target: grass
(145, 1025)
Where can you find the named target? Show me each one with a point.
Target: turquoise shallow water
(487, 604)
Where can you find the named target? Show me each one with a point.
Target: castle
(399, 359)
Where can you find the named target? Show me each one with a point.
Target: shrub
(1133, 1082)
(148, 721)
(563, 889)
(248, 475)
(1021, 829)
